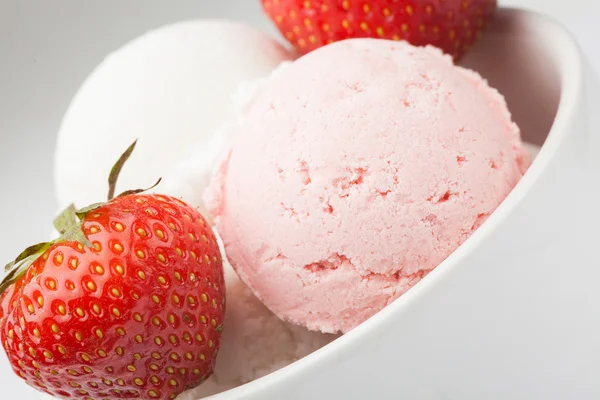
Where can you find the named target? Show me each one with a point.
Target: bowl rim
(571, 72)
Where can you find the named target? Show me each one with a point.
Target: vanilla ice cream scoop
(171, 88)
(357, 170)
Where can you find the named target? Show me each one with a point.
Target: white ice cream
(171, 88)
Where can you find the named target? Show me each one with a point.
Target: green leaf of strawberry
(66, 220)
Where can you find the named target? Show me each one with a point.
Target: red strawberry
(452, 25)
(137, 314)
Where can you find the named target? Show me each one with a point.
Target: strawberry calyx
(69, 223)
(70, 229)
(15, 269)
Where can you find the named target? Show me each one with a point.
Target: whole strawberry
(452, 25)
(128, 303)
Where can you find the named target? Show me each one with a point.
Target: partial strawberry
(452, 25)
(128, 303)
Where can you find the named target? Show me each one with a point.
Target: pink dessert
(347, 185)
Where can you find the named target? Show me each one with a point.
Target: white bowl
(514, 312)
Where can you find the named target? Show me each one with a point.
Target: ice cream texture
(171, 89)
(357, 170)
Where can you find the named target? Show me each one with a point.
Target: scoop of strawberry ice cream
(357, 170)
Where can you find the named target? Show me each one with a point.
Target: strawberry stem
(116, 170)
(114, 177)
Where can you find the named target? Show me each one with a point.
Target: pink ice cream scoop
(357, 170)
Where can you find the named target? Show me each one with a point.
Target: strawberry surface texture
(452, 25)
(138, 314)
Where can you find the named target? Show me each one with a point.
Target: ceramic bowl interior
(514, 56)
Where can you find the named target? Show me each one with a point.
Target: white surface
(48, 48)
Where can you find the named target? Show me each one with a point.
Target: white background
(47, 48)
